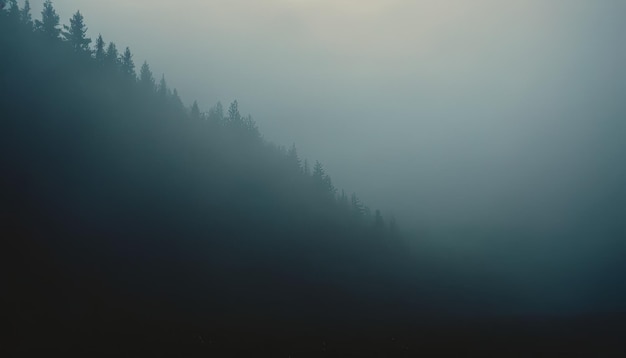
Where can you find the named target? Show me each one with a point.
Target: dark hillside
(133, 225)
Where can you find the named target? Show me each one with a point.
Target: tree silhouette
(111, 58)
(14, 11)
(162, 89)
(216, 113)
(25, 16)
(146, 80)
(75, 34)
(127, 64)
(233, 112)
(49, 24)
(293, 156)
(195, 110)
(99, 52)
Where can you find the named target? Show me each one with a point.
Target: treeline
(126, 202)
(109, 60)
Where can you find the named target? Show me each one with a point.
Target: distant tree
(14, 11)
(233, 112)
(76, 33)
(111, 57)
(25, 16)
(176, 101)
(357, 207)
(127, 64)
(146, 80)
(49, 24)
(195, 110)
(162, 87)
(293, 156)
(99, 51)
(305, 168)
(216, 113)
(318, 171)
(343, 199)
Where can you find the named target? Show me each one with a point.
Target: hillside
(127, 214)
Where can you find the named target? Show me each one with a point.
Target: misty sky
(441, 111)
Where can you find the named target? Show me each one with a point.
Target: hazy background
(485, 114)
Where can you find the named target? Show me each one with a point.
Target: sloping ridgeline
(130, 220)
(119, 204)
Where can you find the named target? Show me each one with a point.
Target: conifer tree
(216, 114)
(293, 156)
(76, 33)
(233, 112)
(127, 64)
(99, 52)
(306, 169)
(25, 16)
(14, 11)
(145, 77)
(111, 57)
(195, 110)
(162, 87)
(178, 103)
(49, 24)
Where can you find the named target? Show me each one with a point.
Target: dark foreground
(591, 336)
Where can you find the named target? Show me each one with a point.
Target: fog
(468, 119)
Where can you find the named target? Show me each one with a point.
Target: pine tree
(127, 64)
(162, 87)
(99, 52)
(177, 102)
(49, 24)
(216, 114)
(14, 11)
(357, 206)
(111, 58)
(76, 33)
(195, 110)
(233, 112)
(145, 77)
(25, 16)
(293, 156)
(306, 169)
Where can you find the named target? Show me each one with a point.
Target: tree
(318, 171)
(293, 156)
(14, 11)
(357, 206)
(195, 110)
(162, 87)
(99, 52)
(25, 16)
(76, 33)
(145, 77)
(111, 57)
(216, 113)
(49, 24)
(178, 103)
(233, 112)
(305, 168)
(127, 64)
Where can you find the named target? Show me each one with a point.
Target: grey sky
(506, 112)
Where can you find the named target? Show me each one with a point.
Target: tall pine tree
(49, 24)
(76, 33)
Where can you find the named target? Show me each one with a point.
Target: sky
(440, 112)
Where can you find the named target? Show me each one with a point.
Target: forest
(133, 224)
